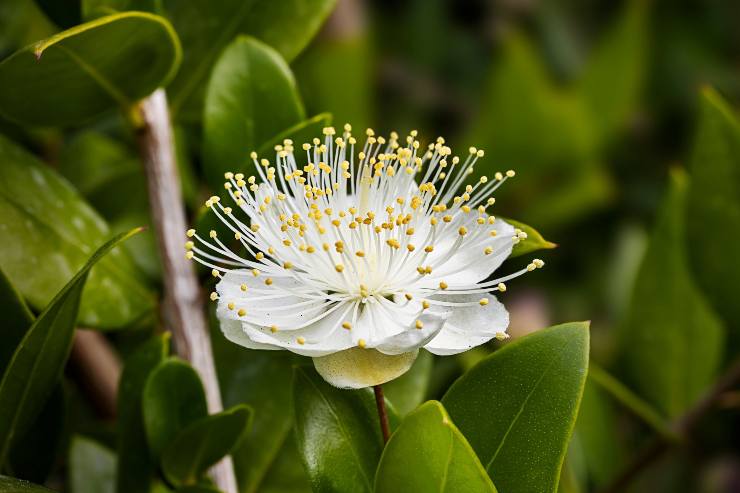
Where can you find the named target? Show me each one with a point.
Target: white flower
(360, 269)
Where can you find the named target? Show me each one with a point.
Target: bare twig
(97, 368)
(382, 413)
(182, 307)
(681, 427)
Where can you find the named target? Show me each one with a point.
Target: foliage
(595, 107)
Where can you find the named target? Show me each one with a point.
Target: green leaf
(428, 453)
(517, 407)
(283, 475)
(601, 443)
(337, 432)
(39, 359)
(203, 443)
(262, 380)
(548, 138)
(350, 98)
(51, 225)
(96, 164)
(251, 97)
(12, 485)
(173, 399)
(135, 465)
(409, 390)
(79, 73)
(614, 75)
(302, 132)
(35, 453)
(205, 29)
(631, 401)
(92, 467)
(714, 206)
(670, 317)
(533, 242)
(17, 318)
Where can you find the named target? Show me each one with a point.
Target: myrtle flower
(360, 257)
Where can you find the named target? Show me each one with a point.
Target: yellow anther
(214, 296)
(212, 234)
(339, 267)
(488, 250)
(410, 247)
(361, 343)
(425, 304)
(230, 306)
(483, 301)
(288, 265)
(259, 255)
(241, 312)
(501, 287)
(429, 249)
(360, 253)
(190, 233)
(268, 281)
(243, 287)
(189, 255)
(502, 336)
(347, 325)
(447, 218)
(419, 324)
(510, 173)
(462, 231)
(215, 273)
(301, 340)
(409, 296)
(443, 285)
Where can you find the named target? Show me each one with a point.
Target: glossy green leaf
(337, 432)
(79, 73)
(260, 379)
(135, 465)
(251, 97)
(428, 453)
(17, 318)
(97, 164)
(12, 485)
(203, 443)
(173, 399)
(92, 467)
(614, 75)
(302, 132)
(533, 242)
(51, 225)
(409, 390)
(205, 29)
(39, 359)
(518, 406)
(714, 205)
(670, 317)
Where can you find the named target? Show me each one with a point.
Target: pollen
(241, 312)
(483, 301)
(419, 324)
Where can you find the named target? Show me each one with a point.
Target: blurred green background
(592, 103)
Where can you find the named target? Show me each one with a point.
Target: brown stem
(382, 413)
(683, 426)
(182, 307)
(97, 368)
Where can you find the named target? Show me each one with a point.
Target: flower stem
(382, 413)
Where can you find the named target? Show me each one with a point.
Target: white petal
(276, 304)
(476, 266)
(233, 330)
(468, 326)
(357, 368)
(323, 336)
(412, 338)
